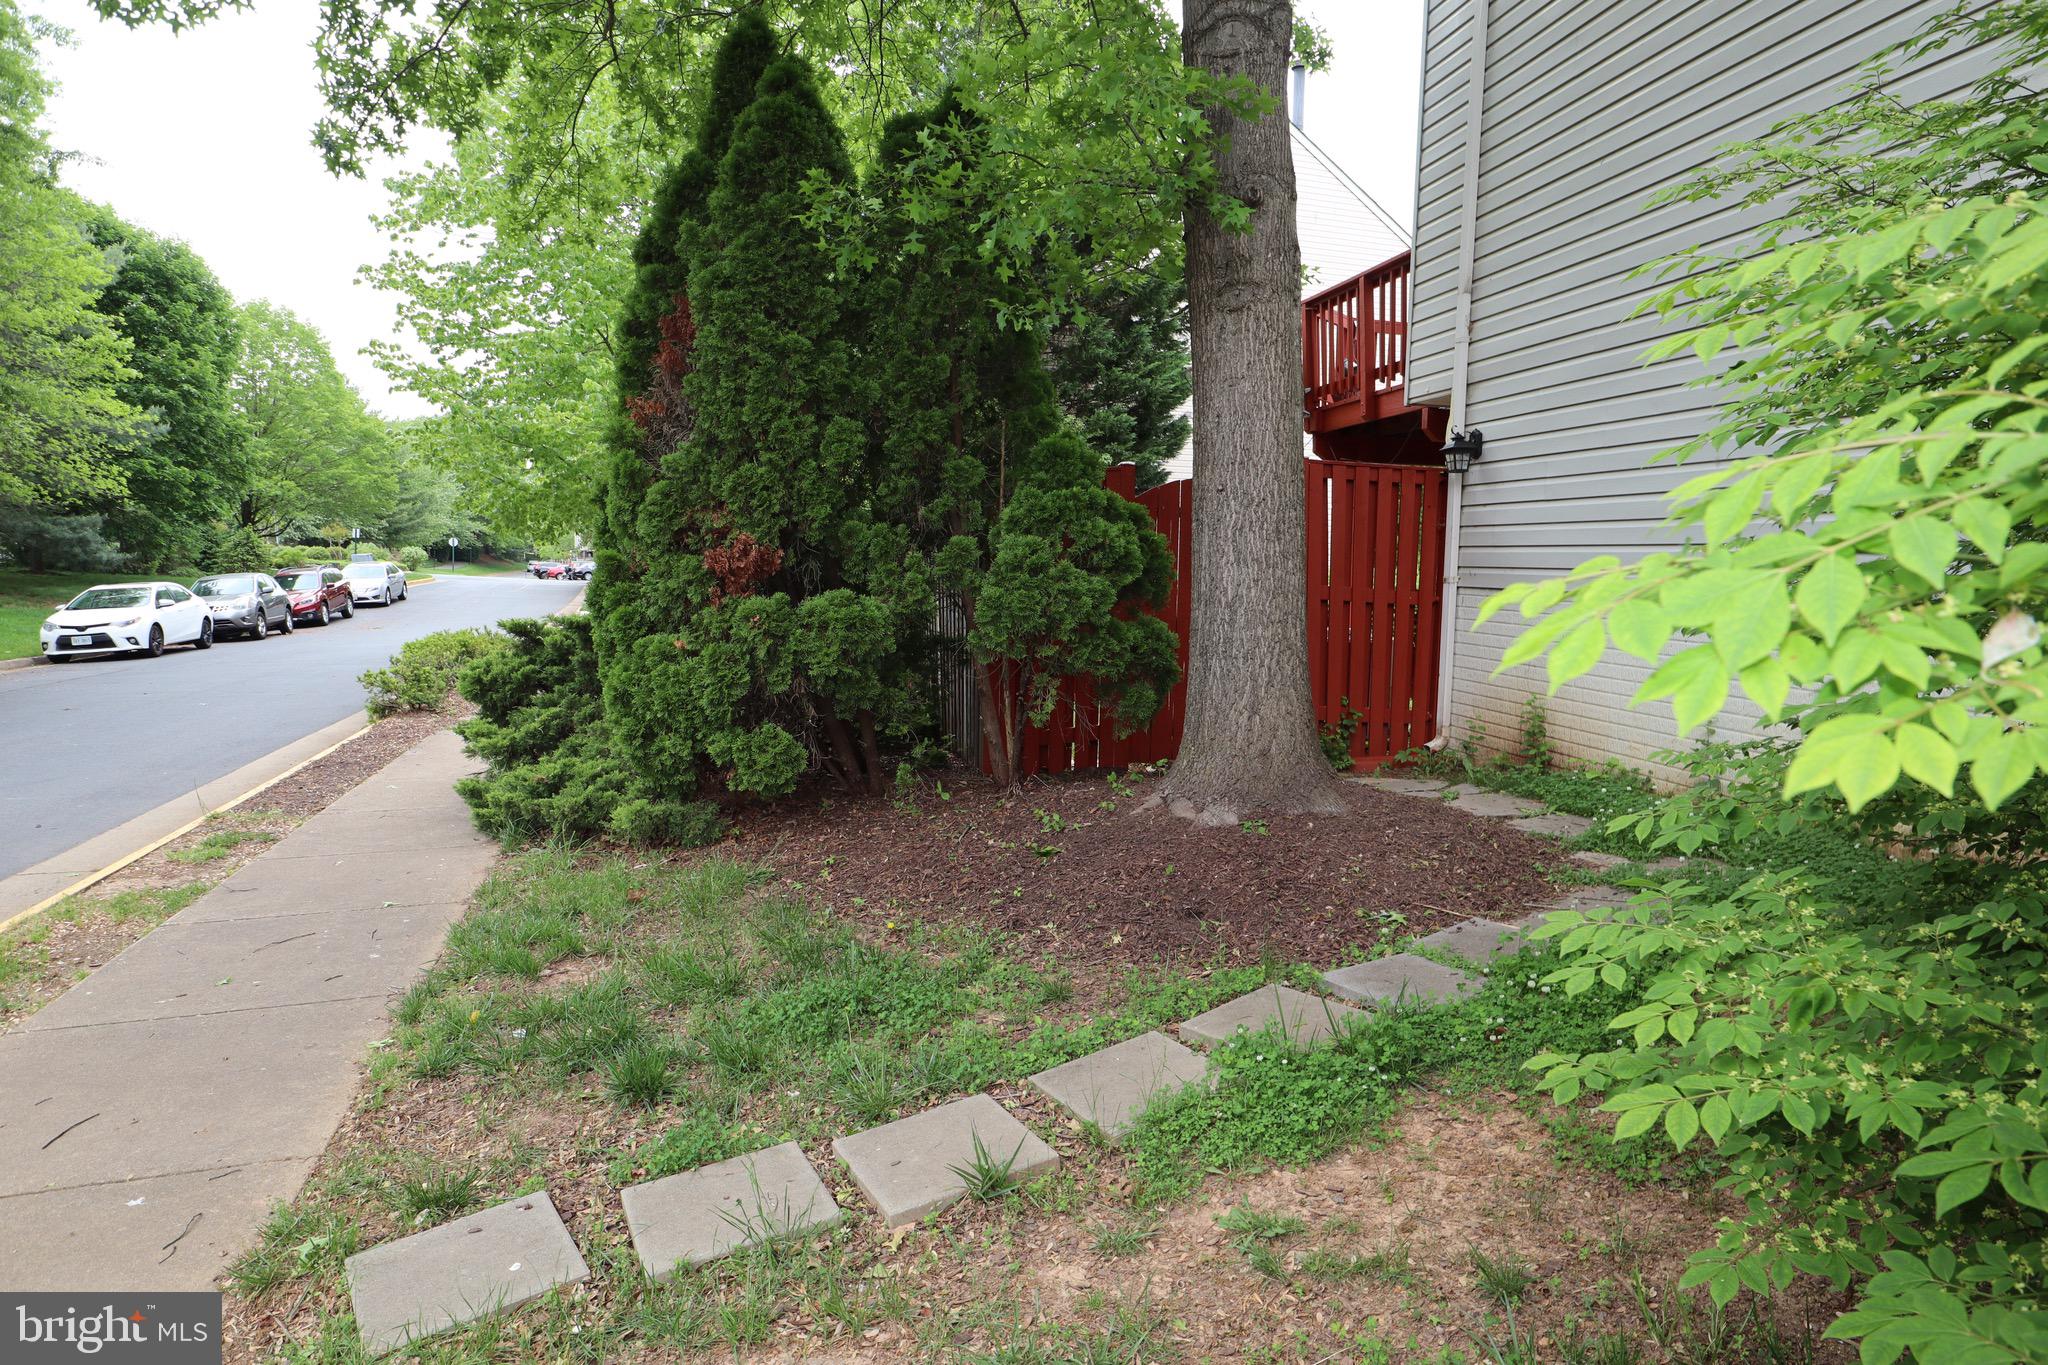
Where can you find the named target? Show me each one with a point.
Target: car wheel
(348, 609)
(321, 618)
(262, 626)
(58, 658)
(290, 624)
(205, 640)
(155, 647)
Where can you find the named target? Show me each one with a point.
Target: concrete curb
(35, 889)
(30, 662)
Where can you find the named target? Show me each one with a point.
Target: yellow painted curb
(22, 917)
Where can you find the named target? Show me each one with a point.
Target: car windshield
(363, 571)
(98, 599)
(299, 582)
(227, 585)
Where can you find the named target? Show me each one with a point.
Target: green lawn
(488, 567)
(26, 598)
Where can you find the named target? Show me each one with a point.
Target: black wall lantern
(1462, 449)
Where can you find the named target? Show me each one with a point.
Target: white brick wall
(1590, 719)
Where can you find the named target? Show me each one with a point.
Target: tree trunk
(1250, 744)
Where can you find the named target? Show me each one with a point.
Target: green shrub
(423, 671)
(412, 558)
(553, 767)
(1863, 1046)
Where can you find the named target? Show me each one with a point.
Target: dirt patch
(1375, 1249)
(1071, 867)
(46, 956)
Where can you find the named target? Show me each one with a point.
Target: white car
(120, 618)
(376, 581)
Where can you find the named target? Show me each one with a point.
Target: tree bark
(1250, 743)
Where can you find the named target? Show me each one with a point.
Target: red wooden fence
(1375, 601)
(1375, 595)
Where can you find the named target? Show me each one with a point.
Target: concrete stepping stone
(1403, 786)
(712, 1211)
(1307, 1019)
(1603, 861)
(1588, 898)
(906, 1168)
(1403, 978)
(1111, 1088)
(489, 1262)
(1490, 804)
(1554, 825)
(1477, 940)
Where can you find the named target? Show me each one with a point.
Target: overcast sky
(206, 136)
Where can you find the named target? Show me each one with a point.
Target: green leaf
(1796, 484)
(2001, 769)
(1926, 757)
(1985, 522)
(1752, 623)
(1768, 686)
(1695, 680)
(1830, 594)
(1681, 1124)
(1507, 596)
(1960, 1187)
(1924, 544)
(1639, 627)
(1715, 1116)
(1729, 511)
(1576, 653)
(1636, 1122)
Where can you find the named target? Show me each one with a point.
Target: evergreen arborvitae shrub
(553, 769)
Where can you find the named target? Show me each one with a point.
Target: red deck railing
(1354, 348)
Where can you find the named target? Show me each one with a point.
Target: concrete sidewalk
(151, 1115)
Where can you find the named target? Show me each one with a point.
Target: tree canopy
(315, 452)
(64, 421)
(185, 334)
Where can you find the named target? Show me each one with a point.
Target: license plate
(80, 641)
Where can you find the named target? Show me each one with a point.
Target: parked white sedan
(376, 581)
(118, 618)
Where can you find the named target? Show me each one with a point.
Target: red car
(317, 595)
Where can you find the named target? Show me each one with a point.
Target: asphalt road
(87, 745)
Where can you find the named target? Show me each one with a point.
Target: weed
(295, 1242)
(643, 1074)
(868, 1083)
(1388, 1265)
(735, 1048)
(986, 1176)
(1123, 1239)
(433, 1196)
(1506, 1277)
(679, 975)
(1259, 1226)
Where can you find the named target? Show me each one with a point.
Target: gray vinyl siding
(1446, 50)
(1591, 107)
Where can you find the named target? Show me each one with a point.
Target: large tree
(62, 420)
(1250, 741)
(186, 333)
(316, 453)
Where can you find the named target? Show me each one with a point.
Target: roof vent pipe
(1300, 100)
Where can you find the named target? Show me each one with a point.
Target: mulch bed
(1074, 863)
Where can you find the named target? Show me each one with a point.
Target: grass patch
(24, 956)
(220, 844)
